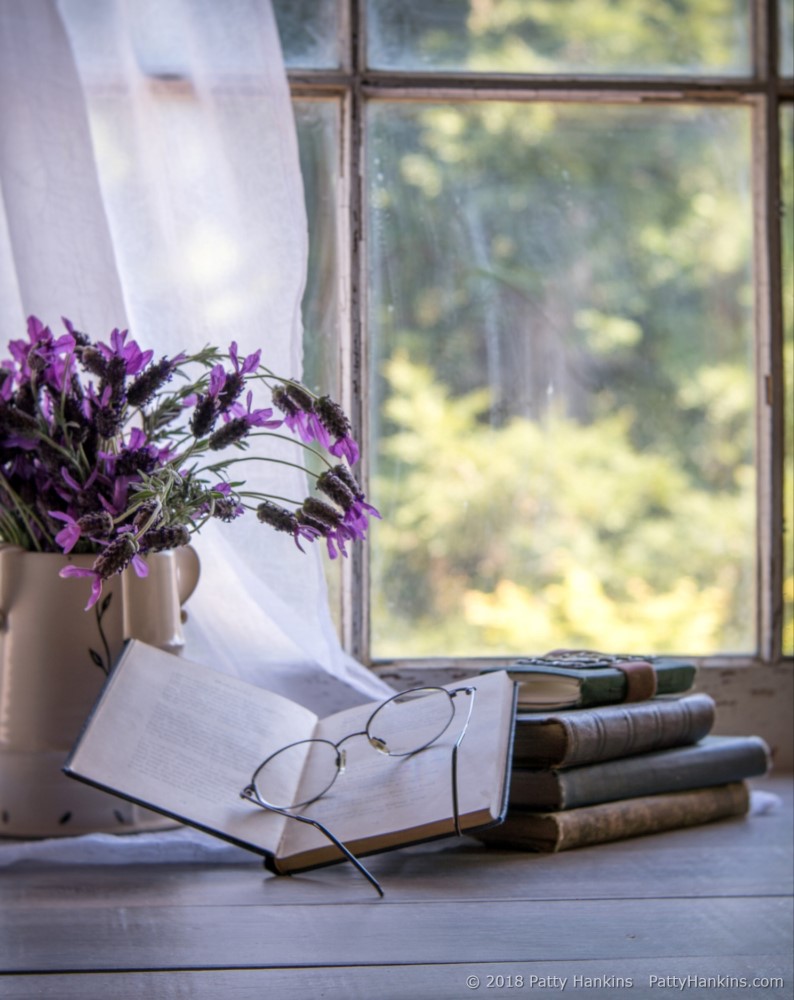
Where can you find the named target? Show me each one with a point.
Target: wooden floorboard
(383, 934)
(712, 902)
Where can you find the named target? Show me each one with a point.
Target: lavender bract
(104, 450)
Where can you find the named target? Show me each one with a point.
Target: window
(555, 286)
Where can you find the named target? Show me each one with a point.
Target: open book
(185, 740)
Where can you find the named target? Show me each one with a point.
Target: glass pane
(318, 125)
(310, 33)
(319, 129)
(561, 36)
(787, 166)
(786, 35)
(561, 315)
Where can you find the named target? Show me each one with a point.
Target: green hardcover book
(587, 735)
(563, 831)
(570, 679)
(715, 760)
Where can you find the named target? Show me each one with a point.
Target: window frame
(353, 85)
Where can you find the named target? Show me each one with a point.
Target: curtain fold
(150, 178)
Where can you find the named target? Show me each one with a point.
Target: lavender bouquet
(104, 450)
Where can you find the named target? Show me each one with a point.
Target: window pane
(786, 35)
(319, 130)
(310, 33)
(318, 125)
(787, 150)
(561, 313)
(561, 36)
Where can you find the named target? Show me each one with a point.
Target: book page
(186, 739)
(546, 691)
(380, 801)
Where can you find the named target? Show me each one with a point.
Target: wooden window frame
(764, 91)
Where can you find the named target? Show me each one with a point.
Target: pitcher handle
(188, 569)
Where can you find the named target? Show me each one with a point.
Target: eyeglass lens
(410, 721)
(317, 761)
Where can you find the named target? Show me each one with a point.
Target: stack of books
(610, 747)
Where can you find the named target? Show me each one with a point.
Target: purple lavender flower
(96, 581)
(255, 418)
(226, 506)
(235, 380)
(286, 520)
(232, 432)
(133, 357)
(297, 405)
(78, 476)
(69, 536)
(340, 485)
(165, 538)
(249, 364)
(100, 572)
(41, 354)
(149, 381)
(6, 380)
(208, 406)
(356, 519)
(327, 522)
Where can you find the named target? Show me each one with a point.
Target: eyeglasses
(401, 726)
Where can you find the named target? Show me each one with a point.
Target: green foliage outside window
(562, 336)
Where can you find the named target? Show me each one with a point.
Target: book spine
(619, 820)
(601, 687)
(622, 731)
(674, 677)
(714, 761)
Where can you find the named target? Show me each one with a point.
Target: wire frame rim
(281, 750)
(432, 688)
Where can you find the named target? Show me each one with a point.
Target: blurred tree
(561, 311)
(620, 545)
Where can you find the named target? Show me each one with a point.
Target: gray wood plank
(603, 978)
(592, 873)
(748, 857)
(380, 933)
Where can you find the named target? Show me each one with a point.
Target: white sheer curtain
(150, 179)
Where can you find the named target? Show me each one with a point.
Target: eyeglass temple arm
(348, 854)
(250, 795)
(455, 802)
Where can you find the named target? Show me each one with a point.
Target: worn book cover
(183, 739)
(715, 760)
(573, 679)
(563, 831)
(586, 736)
